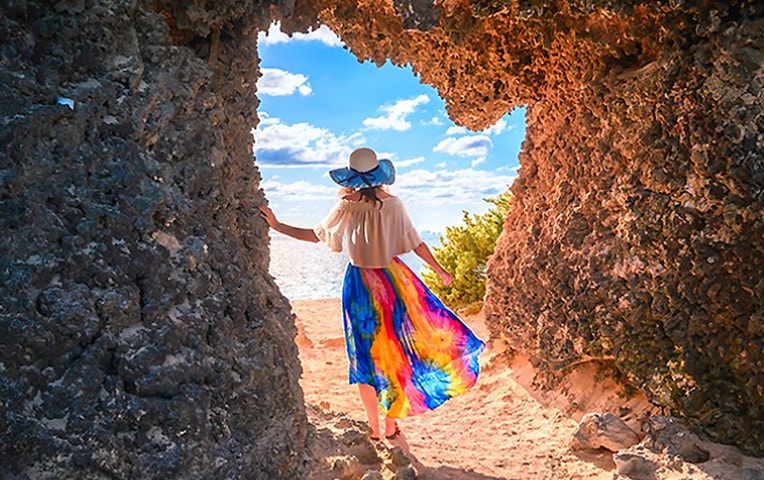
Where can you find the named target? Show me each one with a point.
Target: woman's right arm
(423, 251)
(304, 234)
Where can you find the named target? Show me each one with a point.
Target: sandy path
(498, 430)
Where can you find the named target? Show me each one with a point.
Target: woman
(407, 352)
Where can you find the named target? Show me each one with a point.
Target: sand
(504, 428)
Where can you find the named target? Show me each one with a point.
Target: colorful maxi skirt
(404, 342)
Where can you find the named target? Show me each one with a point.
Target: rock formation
(637, 227)
(140, 331)
(636, 230)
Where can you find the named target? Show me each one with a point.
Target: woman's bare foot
(391, 428)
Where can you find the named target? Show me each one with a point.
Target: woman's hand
(268, 216)
(446, 277)
(423, 251)
(304, 234)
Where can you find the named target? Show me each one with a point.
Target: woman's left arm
(304, 234)
(423, 251)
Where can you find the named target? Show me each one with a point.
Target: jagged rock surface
(140, 333)
(606, 431)
(637, 225)
(635, 234)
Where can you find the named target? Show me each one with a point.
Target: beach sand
(498, 430)
(504, 428)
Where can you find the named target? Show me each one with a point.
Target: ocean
(310, 271)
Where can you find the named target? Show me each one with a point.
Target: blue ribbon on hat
(382, 174)
(367, 177)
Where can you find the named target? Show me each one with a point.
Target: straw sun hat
(364, 170)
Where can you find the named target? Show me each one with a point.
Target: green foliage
(464, 252)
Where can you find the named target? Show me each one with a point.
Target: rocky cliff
(139, 330)
(635, 237)
(140, 334)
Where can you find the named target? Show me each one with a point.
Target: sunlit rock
(140, 333)
(603, 431)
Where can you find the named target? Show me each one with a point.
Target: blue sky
(318, 103)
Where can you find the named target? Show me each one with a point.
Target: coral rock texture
(636, 230)
(140, 333)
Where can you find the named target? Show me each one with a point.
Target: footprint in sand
(334, 342)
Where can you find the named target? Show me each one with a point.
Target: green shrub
(464, 252)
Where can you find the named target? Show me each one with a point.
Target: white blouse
(375, 234)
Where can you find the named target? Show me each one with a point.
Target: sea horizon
(310, 271)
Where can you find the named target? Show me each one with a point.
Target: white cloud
(279, 82)
(433, 121)
(395, 118)
(265, 118)
(469, 146)
(457, 187)
(299, 202)
(457, 130)
(279, 144)
(409, 162)
(477, 161)
(497, 128)
(507, 168)
(434, 199)
(275, 35)
(299, 190)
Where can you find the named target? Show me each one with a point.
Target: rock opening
(140, 331)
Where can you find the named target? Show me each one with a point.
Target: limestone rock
(364, 452)
(405, 473)
(691, 452)
(751, 473)
(399, 457)
(346, 467)
(669, 448)
(603, 431)
(634, 466)
(140, 332)
(673, 437)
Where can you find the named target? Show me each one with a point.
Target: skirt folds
(404, 342)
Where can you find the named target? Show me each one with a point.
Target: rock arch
(636, 229)
(139, 329)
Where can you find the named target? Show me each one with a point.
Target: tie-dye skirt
(404, 342)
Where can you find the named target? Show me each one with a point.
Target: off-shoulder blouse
(375, 234)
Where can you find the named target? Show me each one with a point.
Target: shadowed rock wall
(636, 230)
(140, 334)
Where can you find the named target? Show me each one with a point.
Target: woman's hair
(368, 194)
